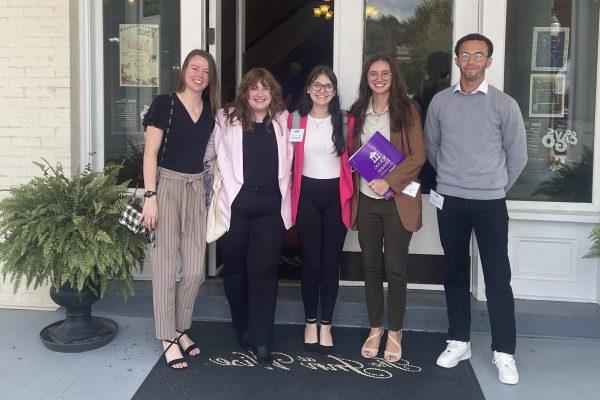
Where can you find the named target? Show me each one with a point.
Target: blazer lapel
(237, 152)
(281, 148)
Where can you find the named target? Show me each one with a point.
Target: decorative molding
(557, 253)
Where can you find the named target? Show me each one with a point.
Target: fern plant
(594, 251)
(65, 231)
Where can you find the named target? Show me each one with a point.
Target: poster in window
(550, 49)
(138, 55)
(547, 95)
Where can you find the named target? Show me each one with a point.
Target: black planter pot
(79, 331)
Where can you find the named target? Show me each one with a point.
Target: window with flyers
(551, 62)
(141, 41)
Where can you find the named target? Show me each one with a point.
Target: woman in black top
(178, 127)
(254, 155)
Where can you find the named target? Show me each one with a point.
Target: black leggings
(322, 234)
(251, 250)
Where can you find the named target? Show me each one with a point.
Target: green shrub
(65, 231)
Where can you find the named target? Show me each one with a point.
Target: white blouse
(320, 158)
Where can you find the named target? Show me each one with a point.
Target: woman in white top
(321, 194)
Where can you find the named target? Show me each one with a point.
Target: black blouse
(186, 141)
(261, 161)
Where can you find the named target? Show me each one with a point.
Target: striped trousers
(180, 235)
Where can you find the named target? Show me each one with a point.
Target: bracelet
(149, 194)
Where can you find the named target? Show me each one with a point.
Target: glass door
(289, 38)
(141, 52)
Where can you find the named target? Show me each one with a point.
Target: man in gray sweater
(476, 141)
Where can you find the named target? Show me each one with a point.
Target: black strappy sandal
(176, 360)
(190, 347)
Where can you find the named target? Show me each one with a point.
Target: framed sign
(547, 95)
(138, 55)
(550, 49)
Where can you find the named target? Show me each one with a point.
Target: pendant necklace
(317, 122)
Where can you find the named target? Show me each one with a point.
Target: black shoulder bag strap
(164, 144)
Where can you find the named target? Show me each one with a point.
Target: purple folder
(375, 159)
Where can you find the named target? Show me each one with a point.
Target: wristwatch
(149, 193)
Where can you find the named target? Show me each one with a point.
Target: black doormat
(224, 371)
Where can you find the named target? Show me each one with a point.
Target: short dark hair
(475, 36)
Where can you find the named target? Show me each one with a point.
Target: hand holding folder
(375, 159)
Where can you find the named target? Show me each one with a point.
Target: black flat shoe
(326, 350)
(312, 347)
(243, 342)
(264, 357)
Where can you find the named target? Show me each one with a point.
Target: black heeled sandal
(174, 361)
(190, 347)
(312, 347)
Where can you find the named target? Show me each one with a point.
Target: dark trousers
(379, 226)
(489, 220)
(251, 250)
(322, 235)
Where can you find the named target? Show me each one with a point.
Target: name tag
(296, 135)
(411, 189)
(436, 199)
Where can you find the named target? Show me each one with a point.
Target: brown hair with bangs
(212, 91)
(240, 110)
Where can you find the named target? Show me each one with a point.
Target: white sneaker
(455, 351)
(507, 368)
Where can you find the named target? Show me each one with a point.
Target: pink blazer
(346, 184)
(226, 144)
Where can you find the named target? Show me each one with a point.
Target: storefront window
(551, 57)
(418, 35)
(141, 40)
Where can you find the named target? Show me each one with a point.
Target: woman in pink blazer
(321, 198)
(250, 141)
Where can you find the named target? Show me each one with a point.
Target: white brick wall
(35, 87)
(35, 98)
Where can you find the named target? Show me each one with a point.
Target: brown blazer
(411, 143)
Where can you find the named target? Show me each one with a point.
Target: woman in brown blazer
(384, 107)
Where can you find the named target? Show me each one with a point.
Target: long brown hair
(400, 106)
(240, 110)
(214, 93)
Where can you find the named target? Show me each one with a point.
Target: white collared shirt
(483, 88)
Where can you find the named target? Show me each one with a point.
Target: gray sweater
(476, 142)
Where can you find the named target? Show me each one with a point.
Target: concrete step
(425, 310)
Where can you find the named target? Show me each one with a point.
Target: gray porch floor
(564, 366)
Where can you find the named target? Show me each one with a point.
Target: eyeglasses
(317, 86)
(466, 57)
(385, 75)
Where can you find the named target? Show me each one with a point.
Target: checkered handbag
(131, 218)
